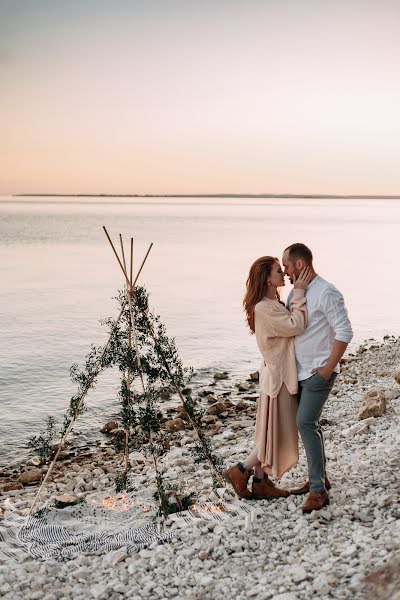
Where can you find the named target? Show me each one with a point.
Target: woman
(276, 437)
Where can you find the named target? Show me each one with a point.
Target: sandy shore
(284, 555)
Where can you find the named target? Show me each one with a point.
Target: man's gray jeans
(312, 395)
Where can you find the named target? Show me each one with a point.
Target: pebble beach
(350, 549)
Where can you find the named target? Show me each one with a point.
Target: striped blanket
(89, 527)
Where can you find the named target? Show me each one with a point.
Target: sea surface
(59, 276)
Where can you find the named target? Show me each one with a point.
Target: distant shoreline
(300, 196)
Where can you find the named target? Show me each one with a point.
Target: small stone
(181, 412)
(223, 375)
(206, 579)
(175, 425)
(358, 428)
(208, 419)
(108, 427)
(350, 551)
(255, 376)
(98, 590)
(33, 462)
(298, 574)
(30, 476)
(186, 391)
(352, 492)
(118, 435)
(119, 556)
(137, 457)
(386, 500)
(244, 386)
(12, 485)
(241, 405)
(63, 455)
(321, 584)
(211, 399)
(217, 408)
(65, 500)
(397, 377)
(186, 440)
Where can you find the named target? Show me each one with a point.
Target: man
(318, 352)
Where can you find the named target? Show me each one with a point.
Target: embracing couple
(301, 346)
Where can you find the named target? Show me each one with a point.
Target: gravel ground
(284, 555)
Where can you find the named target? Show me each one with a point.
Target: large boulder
(31, 476)
(373, 404)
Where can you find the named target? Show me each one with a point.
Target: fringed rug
(103, 524)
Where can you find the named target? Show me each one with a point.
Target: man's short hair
(299, 251)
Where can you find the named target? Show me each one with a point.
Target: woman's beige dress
(276, 437)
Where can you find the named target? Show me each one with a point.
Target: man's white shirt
(327, 321)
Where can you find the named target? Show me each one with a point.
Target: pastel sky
(200, 96)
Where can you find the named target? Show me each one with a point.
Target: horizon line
(222, 195)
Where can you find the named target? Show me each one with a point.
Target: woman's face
(276, 278)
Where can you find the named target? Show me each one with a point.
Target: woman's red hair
(256, 286)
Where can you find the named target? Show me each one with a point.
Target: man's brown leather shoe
(239, 479)
(315, 501)
(304, 489)
(266, 490)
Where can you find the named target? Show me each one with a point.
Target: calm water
(58, 276)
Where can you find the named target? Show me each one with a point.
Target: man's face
(291, 268)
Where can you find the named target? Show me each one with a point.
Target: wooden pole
(142, 265)
(130, 277)
(80, 403)
(123, 253)
(116, 256)
(129, 377)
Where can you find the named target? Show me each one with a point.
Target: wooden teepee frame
(132, 340)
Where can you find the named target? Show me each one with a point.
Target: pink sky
(255, 96)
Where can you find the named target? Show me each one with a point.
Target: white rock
(206, 580)
(359, 427)
(137, 456)
(298, 574)
(98, 590)
(321, 584)
(352, 492)
(350, 551)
